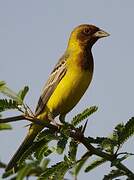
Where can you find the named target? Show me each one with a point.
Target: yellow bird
(66, 84)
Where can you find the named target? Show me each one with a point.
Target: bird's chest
(76, 84)
(71, 88)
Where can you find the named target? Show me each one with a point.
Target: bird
(66, 84)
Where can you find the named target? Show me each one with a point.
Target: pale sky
(33, 36)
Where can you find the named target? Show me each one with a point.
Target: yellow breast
(70, 90)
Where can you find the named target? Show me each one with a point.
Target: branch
(29, 118)
(12, 119)
(80, 137)
(77, 135)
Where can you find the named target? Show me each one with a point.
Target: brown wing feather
(55, 77)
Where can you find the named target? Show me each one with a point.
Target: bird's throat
(85, 60)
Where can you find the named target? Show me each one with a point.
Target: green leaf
(80, 117)
(55, 172)
(72, 150)
(124, 157)
(49, 151)
(47, 134)
(2, 83)
(43, 151)
(25, 171)
(61, 143)
(39, 153)
(2, 165)
(51, 171)
(108, 145)
(10, 93)
(7, 174)
(114, 174)
(82, 162)
(95, 164)
(127, 131)
(6, 104)
(32, 149)
(60, 174)
(123, 132)
(39, 147)
(5, 126)
(44, 163)
(22, 93)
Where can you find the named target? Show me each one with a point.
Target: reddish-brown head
(86, 35)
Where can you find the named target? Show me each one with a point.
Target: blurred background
(33, 36)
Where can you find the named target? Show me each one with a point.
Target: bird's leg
(51, 119)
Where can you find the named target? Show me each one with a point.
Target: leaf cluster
(37, 159)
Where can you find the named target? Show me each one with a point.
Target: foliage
(94, 164)
(9, 93)
(124, 131)
(6, 104)
(114, 174)
(64, 142)
(5, 126)
(15, 100)
(86, 113)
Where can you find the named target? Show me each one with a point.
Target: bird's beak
(101, 34)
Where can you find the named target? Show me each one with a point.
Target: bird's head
(86, 35)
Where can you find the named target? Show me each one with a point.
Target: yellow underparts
(70, 89)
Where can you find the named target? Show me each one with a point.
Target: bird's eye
(87, 31)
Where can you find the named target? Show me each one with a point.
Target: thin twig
(12, 119)
(125, 153)
(29, 118)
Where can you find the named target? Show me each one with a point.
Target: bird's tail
(33, 131)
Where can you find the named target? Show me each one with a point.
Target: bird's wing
(55, 77)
